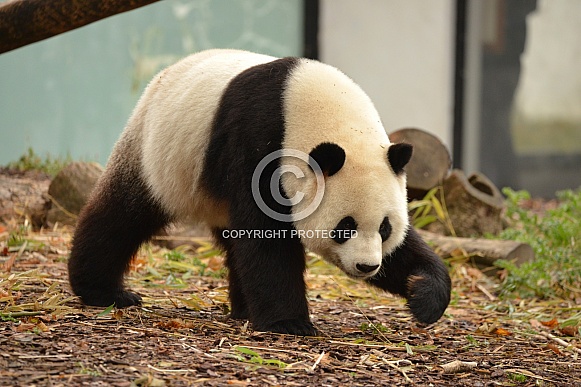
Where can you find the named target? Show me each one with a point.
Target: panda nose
(366, 268)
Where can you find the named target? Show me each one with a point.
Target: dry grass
(181, 335)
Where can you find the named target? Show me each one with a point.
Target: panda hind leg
(118, 218)
(238, 307)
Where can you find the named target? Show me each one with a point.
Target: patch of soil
(181, 335)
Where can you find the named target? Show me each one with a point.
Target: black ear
(399, 155)
(329, 156)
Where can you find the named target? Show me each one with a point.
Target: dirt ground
(182, 336)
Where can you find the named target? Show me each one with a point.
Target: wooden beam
(24, 22)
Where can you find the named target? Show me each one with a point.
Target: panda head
(362, 216)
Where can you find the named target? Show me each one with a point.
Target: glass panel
(73, 93)
(531, 94)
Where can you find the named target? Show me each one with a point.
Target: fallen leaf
(9, 263)
(118, 314)
(502, 332)
(474, 272)
(24, 327)
(570, 330)
(551, 323)
(216, 263)
(553, 348)
(238, 382)
(42, 327)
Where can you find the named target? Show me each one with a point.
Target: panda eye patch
(344, 230)
(385, 229)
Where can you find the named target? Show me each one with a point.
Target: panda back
(174, 120)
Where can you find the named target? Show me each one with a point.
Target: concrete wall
(548, 100)
(401, 52)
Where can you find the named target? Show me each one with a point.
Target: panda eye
(344, 230)
(385, 229)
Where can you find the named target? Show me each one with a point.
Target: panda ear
(330, 158)
(399, 155)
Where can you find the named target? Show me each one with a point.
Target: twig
(560, 341)
(186, 371)
(458, 366)
(491, 297)
(59, 356)
(21, 314)
(60, 207)
(529, 374)
(382, 346)
(395, 365)
(318, 361)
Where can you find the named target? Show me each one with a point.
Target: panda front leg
(267, 284)
(118, 218)
(415, 272)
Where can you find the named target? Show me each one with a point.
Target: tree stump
(474, 205)
(430, 162)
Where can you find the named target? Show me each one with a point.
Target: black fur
(399, 155)
(344, 230)
(330, 158)
(415, 272)
(266, 274)
(385, 229)
(119, 217)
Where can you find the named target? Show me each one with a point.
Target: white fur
(324, 105)
(176, 111)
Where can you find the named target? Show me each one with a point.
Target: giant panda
(190, 152)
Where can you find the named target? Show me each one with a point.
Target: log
(430, 162)
(482, 252)
(24, 22)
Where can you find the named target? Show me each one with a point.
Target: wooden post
(24, 22)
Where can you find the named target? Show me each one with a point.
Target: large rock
(69, 191)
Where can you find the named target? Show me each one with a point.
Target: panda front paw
(297, 327)
(428, 295)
